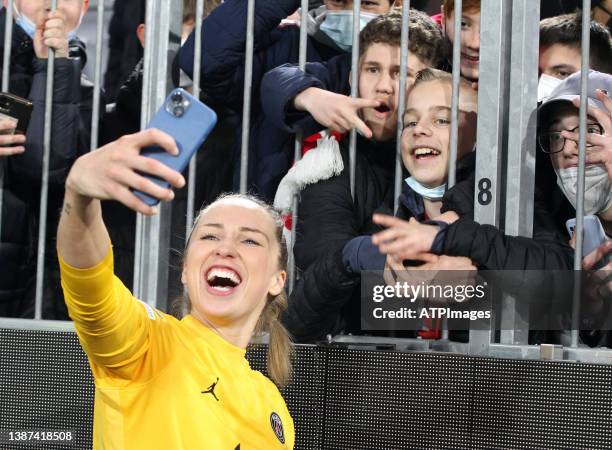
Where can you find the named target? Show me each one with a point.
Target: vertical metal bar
(495, 19)
(298, 145)
(584, 80)
(520, 179)
(404, 40)
(246, 108)
(197, 65)
(492, 101)
(146, 111)
(6, 70)
(8, 40)
(354, 91)
(303, 36)
(163, 30)
(454, 131)
(95, 115)
(42, 225)
(145, 116)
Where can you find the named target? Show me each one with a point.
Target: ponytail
(279, 349)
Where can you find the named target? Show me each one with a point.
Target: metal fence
(506, 145)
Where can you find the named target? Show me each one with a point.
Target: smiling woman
(168, 383)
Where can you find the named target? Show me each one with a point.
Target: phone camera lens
(177, 98)
(178, 111)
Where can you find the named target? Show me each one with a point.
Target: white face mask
(597, 188)
(546, 85)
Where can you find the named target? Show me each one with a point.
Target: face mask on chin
(432, 194)
(29, 27)
(597, 188)
(338, 26)
(24, 22)
(73, 34)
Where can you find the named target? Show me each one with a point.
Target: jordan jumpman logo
(211, 389)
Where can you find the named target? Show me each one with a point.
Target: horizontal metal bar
(36, 325)
(506, 351)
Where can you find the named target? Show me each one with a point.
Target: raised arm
(299, 100)
(113, 327)
(108, 174)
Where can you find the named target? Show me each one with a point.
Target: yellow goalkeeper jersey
(167, 384)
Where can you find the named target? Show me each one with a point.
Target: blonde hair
(429, 74)
(280, 350)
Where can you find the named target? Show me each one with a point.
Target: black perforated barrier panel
(347, 399)
(359, 399)
(45, 385)
(305, 396)
(533, 404)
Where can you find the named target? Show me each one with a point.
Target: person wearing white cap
(601, 144)
(558, 118)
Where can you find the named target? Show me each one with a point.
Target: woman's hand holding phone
(189, 122)
(112, 172)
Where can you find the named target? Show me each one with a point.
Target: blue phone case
(189, 122)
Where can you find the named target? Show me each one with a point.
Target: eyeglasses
(553, 142)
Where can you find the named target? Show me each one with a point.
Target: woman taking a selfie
(161, 382)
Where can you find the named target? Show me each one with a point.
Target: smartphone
(17, 110)
(189, 122)
(594, 234)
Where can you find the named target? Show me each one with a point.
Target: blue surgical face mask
(25, 23)
(30, 27)
(433, 194)
(338, 25)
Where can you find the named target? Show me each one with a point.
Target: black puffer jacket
(14, 247)
(325, 299)
(491, 249)
(72, 104)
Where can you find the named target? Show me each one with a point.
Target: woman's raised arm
(108, 174)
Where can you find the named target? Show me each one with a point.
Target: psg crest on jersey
(277, 427)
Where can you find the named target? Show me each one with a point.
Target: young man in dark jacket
(223, 62)
(70, 126)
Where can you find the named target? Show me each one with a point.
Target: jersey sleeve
(112, 325)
